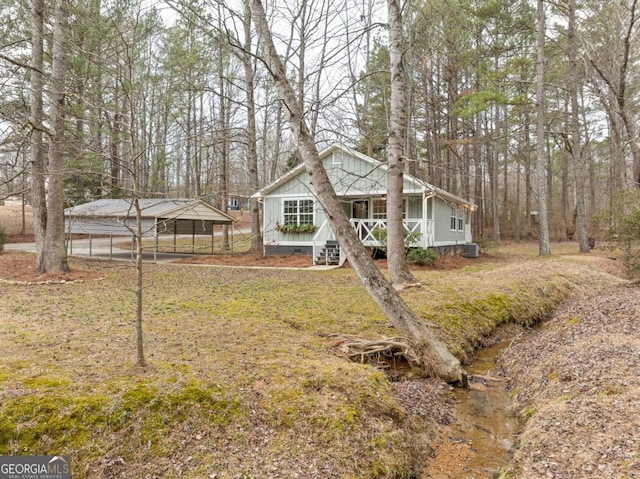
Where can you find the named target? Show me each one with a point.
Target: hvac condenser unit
(471, 250)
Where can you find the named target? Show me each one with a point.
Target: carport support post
(155, 242)
(110, 246)
(90, 245)
(133, 239)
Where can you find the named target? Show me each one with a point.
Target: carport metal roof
(152, 208)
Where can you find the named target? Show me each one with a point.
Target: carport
(159, 216)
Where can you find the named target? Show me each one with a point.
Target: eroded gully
(484, 434)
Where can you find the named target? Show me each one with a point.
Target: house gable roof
(334, 148)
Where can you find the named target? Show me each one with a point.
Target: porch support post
(425, 219)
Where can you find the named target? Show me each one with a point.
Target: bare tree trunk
(38, 173)
(576, 147)
(445, 365)
(493, 177)
(140, 361)
(55, 255)
(224, 147)
(527, 178)
(254, 183)
(398, 268)
(277, 142)
(544, 249)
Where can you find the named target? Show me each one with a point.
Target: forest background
(174, 98)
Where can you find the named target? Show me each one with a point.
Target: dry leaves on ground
(578, 379)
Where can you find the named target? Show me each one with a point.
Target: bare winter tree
(48, 204)
(398, 267)
(576, 147)
(544, 248)
(435, 356)
(617, 77)
(254, 180)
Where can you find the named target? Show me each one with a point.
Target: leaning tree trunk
(435, 355)
(398, 267)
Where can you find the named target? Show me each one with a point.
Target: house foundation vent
(471, 250)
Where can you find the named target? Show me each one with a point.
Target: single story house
(294, 222)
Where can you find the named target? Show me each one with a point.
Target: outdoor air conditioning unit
(471, 250)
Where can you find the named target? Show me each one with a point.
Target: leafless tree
(48, 202)
(576, 147)
(435, 353)
(398, 267)
(544, 248)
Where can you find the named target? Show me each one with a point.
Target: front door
(360, 211)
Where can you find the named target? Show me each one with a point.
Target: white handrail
(366, 231)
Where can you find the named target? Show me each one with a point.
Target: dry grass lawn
(244, 379)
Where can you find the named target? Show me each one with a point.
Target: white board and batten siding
(357, 177)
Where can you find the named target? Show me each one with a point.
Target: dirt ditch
(575, 392)
(484, 431)
(578, 387)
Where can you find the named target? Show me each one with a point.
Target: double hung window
(298, 212)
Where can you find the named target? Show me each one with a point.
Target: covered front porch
(419, 233)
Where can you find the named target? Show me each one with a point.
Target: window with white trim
(298, 212)
(454, 218)
(460, 219)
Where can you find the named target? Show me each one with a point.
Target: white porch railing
(421, 230)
